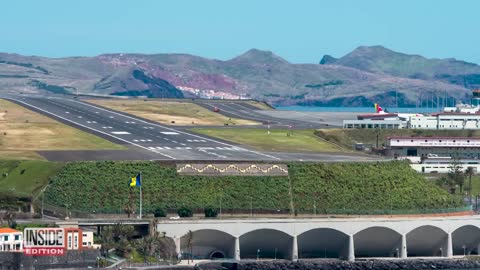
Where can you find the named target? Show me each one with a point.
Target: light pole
(258, 254)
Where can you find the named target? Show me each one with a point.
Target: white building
(443, 165)
(445, 121)
(87, 241)
(461, 147)
(10, 240)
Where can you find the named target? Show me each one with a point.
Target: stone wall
(340, 265)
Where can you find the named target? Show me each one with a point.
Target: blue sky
(299, 31)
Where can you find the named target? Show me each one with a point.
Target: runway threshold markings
(168, 128)
(120, 132)
(87, 127)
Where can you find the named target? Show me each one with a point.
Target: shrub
(159, 212)
(211, 212)
(185, 212)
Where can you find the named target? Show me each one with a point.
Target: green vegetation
(310, 188)
(360, 186)
(320, 85)
(348, 137)
(103, 186)
(277, 140)
(25, 178)
(52, 88)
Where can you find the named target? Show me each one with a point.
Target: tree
(211, 212)
(189, 243)
(185, 212)
(129, 207)
(456, 175)
(159, 212)
(470, 172)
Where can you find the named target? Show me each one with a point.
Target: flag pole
(141, 184)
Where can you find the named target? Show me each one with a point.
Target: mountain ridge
(362, 77)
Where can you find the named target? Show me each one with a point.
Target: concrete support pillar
(351, 249)
(478, 249)
(294, 249)
(449, 252)
(177, 245)
(236, 254)
(403, 248)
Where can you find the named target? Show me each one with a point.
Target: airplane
(380, 110)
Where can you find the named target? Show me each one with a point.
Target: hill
(378, 59)
(327, 188)
(365, 76)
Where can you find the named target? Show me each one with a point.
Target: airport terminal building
(461, 147)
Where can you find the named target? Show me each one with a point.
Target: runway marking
(149, 140)
(143, 140)
(183, 148)
(128, 122)
(79, 116)
(169, 133)
(110, 116)
(87, 127)
(166, 139)
(135, 140)
(67, 112)
(196, 141)
(168, 128)
(120, 132)
(174, 141)
(182, 144)
(105, 127)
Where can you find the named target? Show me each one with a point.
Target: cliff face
(360, 78)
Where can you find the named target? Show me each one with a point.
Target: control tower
(476, 98)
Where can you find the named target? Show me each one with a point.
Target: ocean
(355, 109)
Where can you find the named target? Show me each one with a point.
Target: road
(148, 140)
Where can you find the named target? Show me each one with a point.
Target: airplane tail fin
(378, 109)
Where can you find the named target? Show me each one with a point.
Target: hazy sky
(300, 31)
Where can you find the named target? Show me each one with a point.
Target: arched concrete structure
(322, 243)
(377, 242)
(428, 241)
(424, 236)
(466, 240)
(268, 243)
(207, 243)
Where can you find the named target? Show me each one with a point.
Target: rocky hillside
(378, 59)
(367, 75)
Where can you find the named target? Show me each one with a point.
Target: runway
(148, 140)
(243, 110)
(164, 142)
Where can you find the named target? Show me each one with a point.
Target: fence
(62, 212)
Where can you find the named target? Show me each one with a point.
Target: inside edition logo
(44, 242)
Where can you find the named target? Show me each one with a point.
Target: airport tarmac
(148, 140)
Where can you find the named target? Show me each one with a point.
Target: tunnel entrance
(207, 243)
(465, 240)
(217, 255)
(266, 244)
(427, 241)
(377, 242)
(322, 243)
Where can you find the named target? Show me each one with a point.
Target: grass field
(181, 113)
(348, 137)
(25, 178)
(22, 132)
(277, 140)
